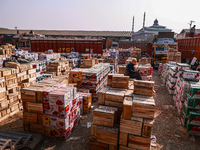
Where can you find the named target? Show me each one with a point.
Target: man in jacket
(131, 72)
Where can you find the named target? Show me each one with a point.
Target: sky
(101, 15)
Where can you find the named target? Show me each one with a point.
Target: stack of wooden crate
(121, 69)
(131, 113)
(118, 81)
(106, 121)
(26, 75)
(144, 87)
(6, 50)
(58, 67)
(136, 123)
(88, 63)
(104, 131)
(10, 93)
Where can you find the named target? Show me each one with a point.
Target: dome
(155, 22)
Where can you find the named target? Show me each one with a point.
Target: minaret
(133, 25)
(132, 29)
(144, 20)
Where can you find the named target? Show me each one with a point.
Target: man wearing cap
(130, 70)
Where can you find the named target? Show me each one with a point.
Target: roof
(71, 32)
(154, 29)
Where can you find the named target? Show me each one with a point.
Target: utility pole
(190, 23)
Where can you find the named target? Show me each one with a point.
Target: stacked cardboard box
(35, 106)
(95, 78)
(75, 76)
(85, 102)
(113, 60)
(10, 92)
(86, 56)
(40, 67)
(48, 57)
(160, 69)
(74, 62)
(146, 71)
(61, 111)
(173, 55)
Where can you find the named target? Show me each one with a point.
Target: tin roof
(71, 32)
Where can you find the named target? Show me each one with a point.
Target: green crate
(194, 118)
(192, 102)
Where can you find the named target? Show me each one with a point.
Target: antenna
(190, 23)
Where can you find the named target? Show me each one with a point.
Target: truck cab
(160, 49)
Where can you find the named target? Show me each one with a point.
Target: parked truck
(164, 41)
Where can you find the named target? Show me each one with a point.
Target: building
(147, 32)
(113, 35)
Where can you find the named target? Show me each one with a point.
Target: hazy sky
(106, 15)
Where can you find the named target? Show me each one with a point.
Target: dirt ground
(167, 127)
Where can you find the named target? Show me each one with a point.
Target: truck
(164, 41)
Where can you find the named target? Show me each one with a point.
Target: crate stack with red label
(95, 78)
(61, 111)
(146, 72)
(52, 108)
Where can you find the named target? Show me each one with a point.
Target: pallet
(19, 140)
(5, 143)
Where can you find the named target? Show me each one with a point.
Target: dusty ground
(167, 128)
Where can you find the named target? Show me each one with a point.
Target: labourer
(192, 31)
(130, 70)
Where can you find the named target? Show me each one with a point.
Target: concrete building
(146, 32)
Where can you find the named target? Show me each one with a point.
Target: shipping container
(189, 47)
(67, 45)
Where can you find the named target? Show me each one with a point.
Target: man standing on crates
(192, 31)
(130, 70)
